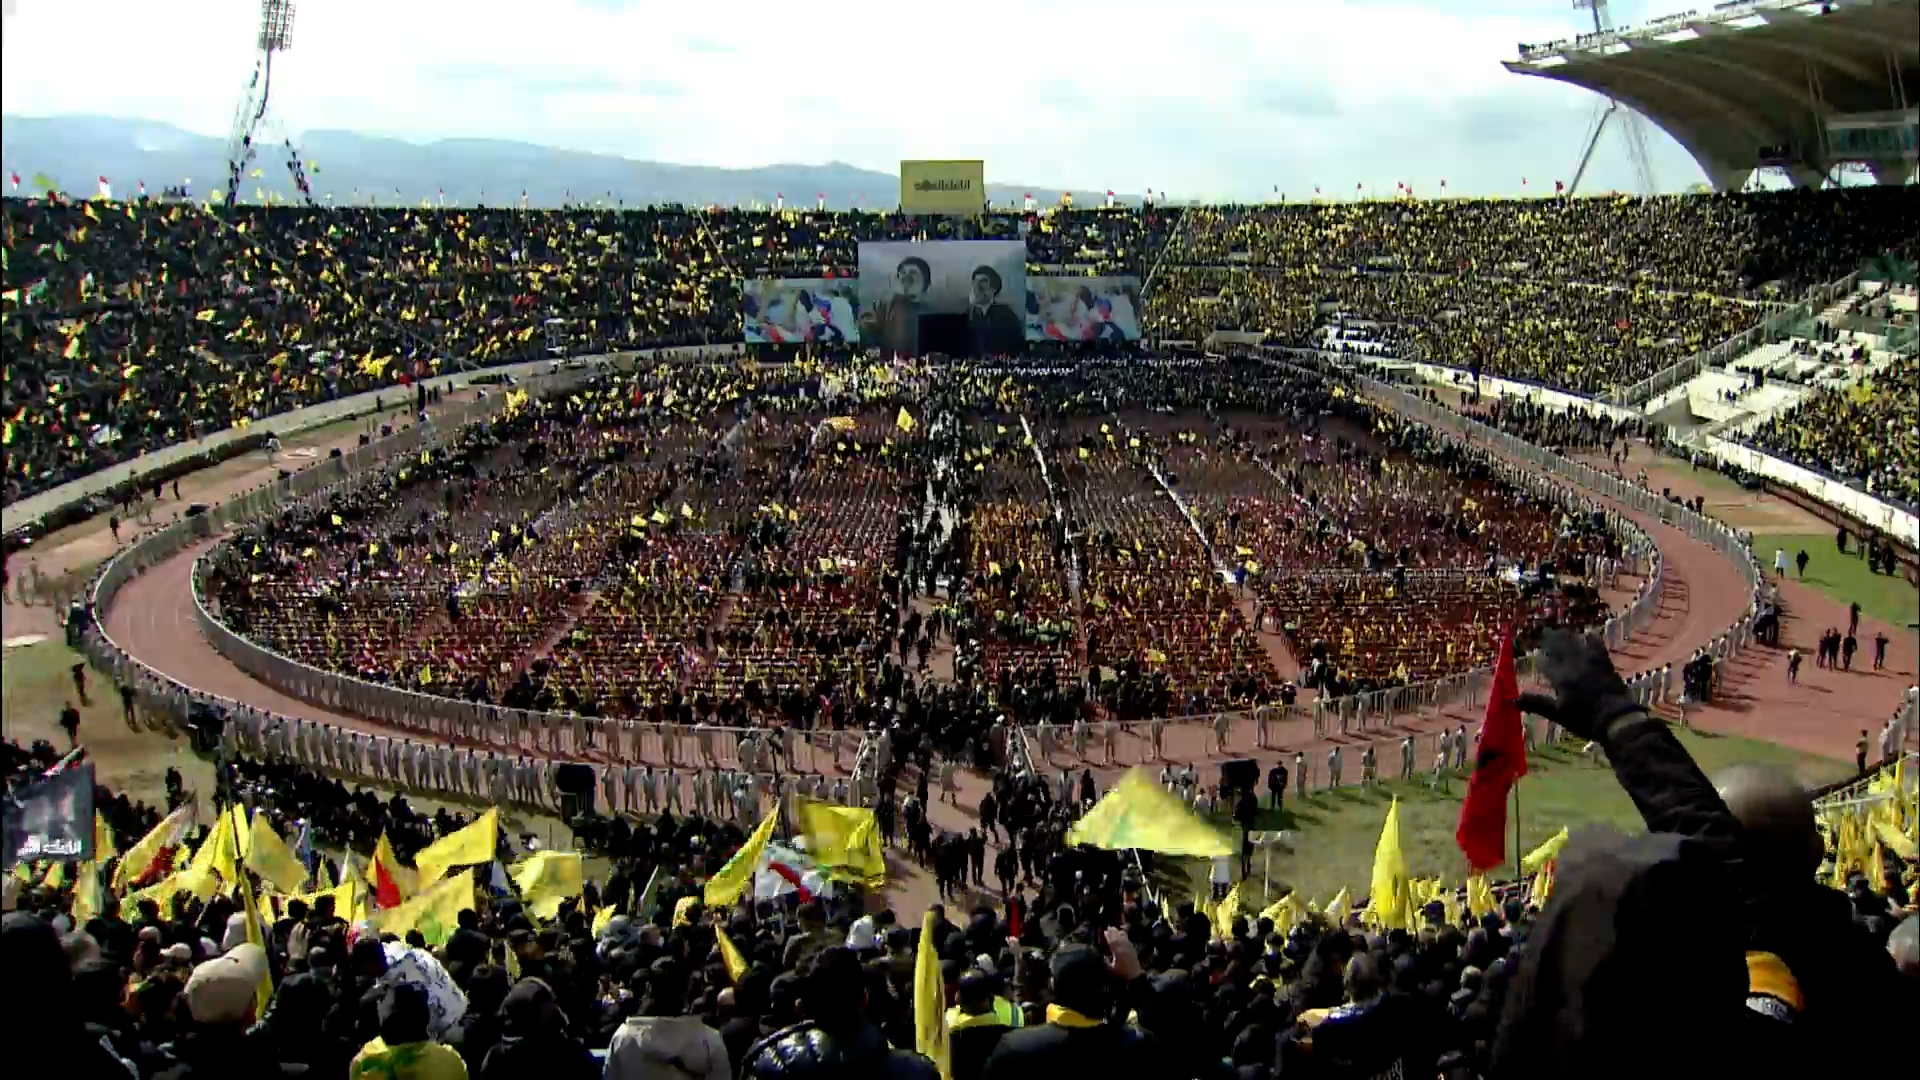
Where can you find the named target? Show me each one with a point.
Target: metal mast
(253, 125)
(1634, 124)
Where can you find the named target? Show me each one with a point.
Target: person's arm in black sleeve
(1664, 781)
(1591, 701)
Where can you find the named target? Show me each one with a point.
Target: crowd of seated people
(762, 560)
(1868, 432)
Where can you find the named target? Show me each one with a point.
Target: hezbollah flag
(469, 846)
(221, 853)
(1390, 899)
(730, 954)
(904, 421)
(1545, 853)
(930, 1001)
(269, 856)
(435, 912)
(103, 848)
(546, 879)
(349, 898)
(1138, 813)
(726, 886)
(844, 839)
(1225, 910)
(255, 935)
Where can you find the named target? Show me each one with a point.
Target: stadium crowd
(132, 326)
(1701, 946)
(1868, 433)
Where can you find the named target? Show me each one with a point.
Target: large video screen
(800, 311)
(956, 296)
(1091, 309)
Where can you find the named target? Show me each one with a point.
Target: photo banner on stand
(961, 297)
(1088, 309)
(800, 311)
(51, 819)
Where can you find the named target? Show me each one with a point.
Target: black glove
(1588, 695)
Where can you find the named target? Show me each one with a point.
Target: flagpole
(1516, 827)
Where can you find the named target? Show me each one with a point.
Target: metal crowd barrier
(515, 731)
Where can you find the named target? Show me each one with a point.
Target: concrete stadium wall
(1900, 524)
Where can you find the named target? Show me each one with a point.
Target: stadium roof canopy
(1763, 83)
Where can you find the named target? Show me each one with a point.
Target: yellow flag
(730, 955)
(1225, 910)
(546, 879)
(87, 895)
(269, 856)
(221, 853)
(930, 1002)
(1138, 813)
(1389, 898)
(170, 833)
(473, 844)
(103, 848)
(1286, 912)
(1542, 888)
(1340, 907)
(904, 421)
(844, 839)
(263, 993)
(1480, 899)
(435, 912)
(1541, 855)
(349, 897)
(726, 886)
(683, 910)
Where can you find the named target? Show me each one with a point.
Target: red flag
(386, 891)
(1501, 762)
(1014, 904)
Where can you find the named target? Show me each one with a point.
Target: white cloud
(1205, 98)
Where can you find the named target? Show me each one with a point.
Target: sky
(1201, 99)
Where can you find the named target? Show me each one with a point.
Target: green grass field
(1845, 577)
(1337, 832)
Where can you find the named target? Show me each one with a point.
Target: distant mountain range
(73, 151)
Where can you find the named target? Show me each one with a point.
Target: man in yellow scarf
(1079, 1038)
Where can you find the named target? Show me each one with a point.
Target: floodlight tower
(1635, 125)
(252, 124)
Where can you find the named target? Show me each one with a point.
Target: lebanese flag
(1502, 761)
(784, 870)
(106, 188)
(14, 178)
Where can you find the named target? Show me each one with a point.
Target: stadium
(1327, 638)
